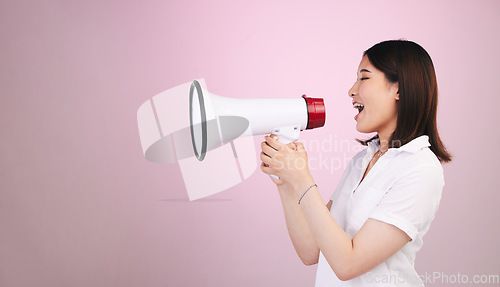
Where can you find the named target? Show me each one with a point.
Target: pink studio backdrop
(79, 204)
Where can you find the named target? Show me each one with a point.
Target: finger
(267, 169)
(267, 149)
(274, 143)
(300, 146)
(265, 159)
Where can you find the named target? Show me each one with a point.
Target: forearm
(330, 238)
(298, 229)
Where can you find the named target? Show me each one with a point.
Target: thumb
(292, 146)
(300, 146)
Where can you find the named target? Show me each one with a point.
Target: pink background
(79, 204)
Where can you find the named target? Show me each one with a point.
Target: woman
(370, 230)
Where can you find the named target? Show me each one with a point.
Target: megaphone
(198, 140)
(216, 120)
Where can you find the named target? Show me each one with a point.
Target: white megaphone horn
(215, 120)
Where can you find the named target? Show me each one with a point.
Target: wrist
(305, 191)
(287, 193)
(302, 184)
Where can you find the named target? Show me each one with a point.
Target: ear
(395, 89)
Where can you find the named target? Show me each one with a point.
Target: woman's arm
(375, 242)
(302, 238)
(300, 234)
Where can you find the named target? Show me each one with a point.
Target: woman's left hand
(288, 162)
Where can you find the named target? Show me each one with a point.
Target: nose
(353, 91)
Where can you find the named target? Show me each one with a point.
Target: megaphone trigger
(287, 134)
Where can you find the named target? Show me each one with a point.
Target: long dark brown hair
(408, 64)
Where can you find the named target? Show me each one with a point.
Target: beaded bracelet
(313, 185)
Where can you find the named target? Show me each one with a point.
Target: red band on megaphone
(316, 112)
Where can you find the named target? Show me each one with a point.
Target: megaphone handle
(286, 135)
(284, 140)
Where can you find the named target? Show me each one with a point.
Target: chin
(362, 129)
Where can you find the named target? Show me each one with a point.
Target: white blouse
(403, 188)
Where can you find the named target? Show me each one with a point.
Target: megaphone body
(216, 120)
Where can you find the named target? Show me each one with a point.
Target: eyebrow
(364, 70)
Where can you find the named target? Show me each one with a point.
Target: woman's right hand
(279, 183)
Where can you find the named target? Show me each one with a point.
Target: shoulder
(414, 191)
(419, 174)
(417, 154)
(423, 162)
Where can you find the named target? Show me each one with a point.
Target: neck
(384, 141)
(385, 133)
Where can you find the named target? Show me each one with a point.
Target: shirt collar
(413, 146)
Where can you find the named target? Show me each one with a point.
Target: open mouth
(358, 106)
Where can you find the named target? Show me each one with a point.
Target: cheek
(378, 100)
(380, 109)
(388, 111)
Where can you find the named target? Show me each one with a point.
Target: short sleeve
(412, 201)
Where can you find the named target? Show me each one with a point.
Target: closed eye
(362, 79)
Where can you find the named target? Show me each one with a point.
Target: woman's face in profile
(378, 98)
